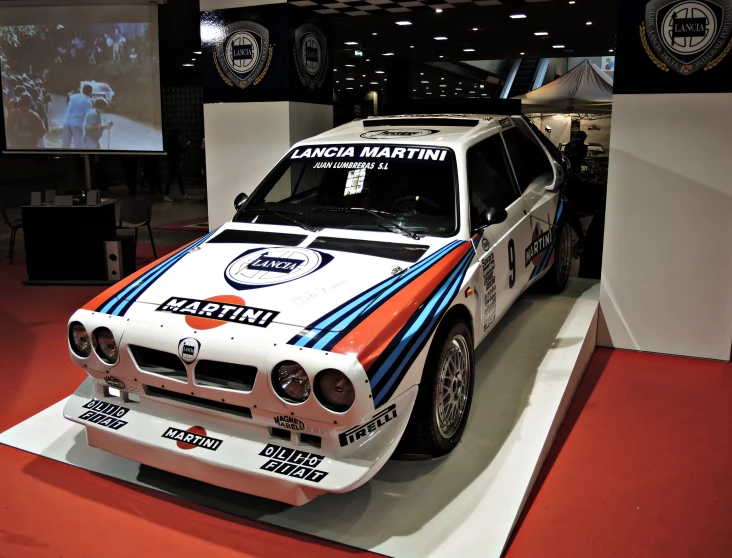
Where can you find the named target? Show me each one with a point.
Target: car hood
(294, 275)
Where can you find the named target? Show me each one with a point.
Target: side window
(489, 177)
(529, 161)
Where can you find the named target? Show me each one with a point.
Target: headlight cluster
(333, 389)
(102, 340)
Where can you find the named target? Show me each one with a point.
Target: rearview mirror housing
(239, 201)
(493, 216)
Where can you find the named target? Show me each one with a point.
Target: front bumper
(235, 452)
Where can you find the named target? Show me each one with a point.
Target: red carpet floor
(640, 467)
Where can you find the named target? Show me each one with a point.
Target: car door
(491, 185)
(534, 171)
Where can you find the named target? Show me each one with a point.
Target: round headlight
(334, 390)
(79, 340)
(291, 382)
(105, 345)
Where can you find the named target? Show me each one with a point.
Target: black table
(65, 244)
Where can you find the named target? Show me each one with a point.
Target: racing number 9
(511, 264)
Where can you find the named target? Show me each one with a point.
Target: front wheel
(556, 278)
(445, 393)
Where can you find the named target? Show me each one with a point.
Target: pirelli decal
(539, 244)
(363, 430)
(233, 313)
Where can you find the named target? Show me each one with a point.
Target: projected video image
(86, 87)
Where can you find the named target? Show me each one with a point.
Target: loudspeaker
(120, 257)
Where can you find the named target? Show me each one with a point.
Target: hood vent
(390, 250)
(234, 236)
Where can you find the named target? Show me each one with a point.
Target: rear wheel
(556, 278)
(445, 393)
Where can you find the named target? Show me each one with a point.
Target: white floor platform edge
(463, 505)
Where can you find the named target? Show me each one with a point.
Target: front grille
(159, 362)
(199, 402)
(225, 375)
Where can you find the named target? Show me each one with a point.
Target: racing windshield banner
(360, 152)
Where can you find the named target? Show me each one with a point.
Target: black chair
(15, 226)
(134, 214)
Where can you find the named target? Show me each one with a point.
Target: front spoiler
(226, 452)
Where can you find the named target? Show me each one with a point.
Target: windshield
(403, 189)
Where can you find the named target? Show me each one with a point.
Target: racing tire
(556, 278)
(445, 393)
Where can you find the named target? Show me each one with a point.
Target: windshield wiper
(283, 214)
(375, 213)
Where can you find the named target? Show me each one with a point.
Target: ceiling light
(484, 94)
(571, 1)
(350, 66)
(374, 34)
(442, 95)
(541, 33)
(429, 92)
(441, 56)
(443, 79)
(374, 82)
(471, 92)
(351, 43)
(421, 73)
(413, 89)
(439, 10)
(349, 87)
(517, 16)
(521, 53)
(363, 75)
(188, 65)
(588, 23)
(611, 50)
(440, 38)
(411, 46)
(197, 52)
(379, 72)
(458, 89)
(424, 82)
(404, 22)
(349, 79)
(388, 54)
(443, 85)
(557, 46)
(475, 28)
(193, 59)
(468, 50)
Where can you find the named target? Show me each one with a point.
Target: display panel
(81, 78)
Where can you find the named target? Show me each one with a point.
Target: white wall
(245, 140)
(667, 261)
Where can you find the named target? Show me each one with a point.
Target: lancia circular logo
(244, 54)
(188, 349)
(689, 28)
(687, 35)
(393, 133)
(264, 267)
(311, 55)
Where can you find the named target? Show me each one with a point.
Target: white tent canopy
(584, 89)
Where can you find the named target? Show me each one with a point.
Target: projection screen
(81, 78)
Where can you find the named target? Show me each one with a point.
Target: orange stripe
(369, 339)
(98, 300)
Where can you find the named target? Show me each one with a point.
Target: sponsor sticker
(370, 152)
(293, 463)
(289, 422)
(505, 122)
(398, 133)
(194, 437)
(234, 313)
(489, 290)
(104, 414)
(188, 349)
(362, 431)
(537, 246)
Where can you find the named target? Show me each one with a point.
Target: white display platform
(465, 504)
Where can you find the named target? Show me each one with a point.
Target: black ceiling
(482, 25)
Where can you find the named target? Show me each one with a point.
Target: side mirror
(239, 201)
(493, 216)
(558, 177)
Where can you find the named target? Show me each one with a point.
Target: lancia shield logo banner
(687, 35)
(243, 54)
(311, 55)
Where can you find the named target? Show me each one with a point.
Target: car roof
(444, 130)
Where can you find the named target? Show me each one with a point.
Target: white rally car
(288, 353)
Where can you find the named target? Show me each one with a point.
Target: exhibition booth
(376, 339)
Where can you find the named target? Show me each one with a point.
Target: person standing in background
(79, 105)
(176, 150)
(94, 127)
(25, 129)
